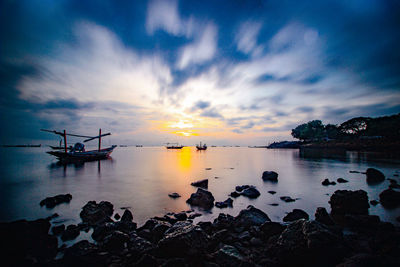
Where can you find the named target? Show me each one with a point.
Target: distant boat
(258, 146)
(213, 146)
(22, 145)
(77, 152)
(139, 145)
(201, 147)
(123, 146)
(173, 146)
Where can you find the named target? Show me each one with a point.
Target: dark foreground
(348, 236)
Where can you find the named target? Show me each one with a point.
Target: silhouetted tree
(312, 130)
(355, 126)
(332, 131)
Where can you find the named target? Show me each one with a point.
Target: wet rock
(374, 202)
(53, 216)
(117, 216)
(374, 176)
(224, 204)
(327, 182)
(201, 198)
(354, 172)
(361, 221)
(174, 195)
(251, 192)
(51, 202)
(274, 204)
(116, 241)
(159, 229)
(183, 239)
(25, 243)
(251, 216)
(269, 229)
(194, 215)
(181, 216)
(287, 199)
(207, 169)
(234, 194)
(84, 253)
(309, 243)
(127, 216)
(341, 180)
(206, 226)
(349, 202)
(272, 192)
(394, 184)
(322, 216)
(223, 221)
(255, 242)
(229, 256)
(70, 233)
(390, 198)
(202, 183)
(94, 213)
(147, 260)
(366, 260)
(270, 176)
(240, 188)
(295, 215)
(175, 262)
(138, 245)
(56, 230)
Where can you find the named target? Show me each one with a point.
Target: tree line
(387, 127)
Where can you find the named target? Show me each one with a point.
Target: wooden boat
(77, 152)
(22, 145)
(201, 147)
(173, 146)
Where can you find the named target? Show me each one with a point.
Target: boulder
(51, 202)
(240, 188)
(269, 229)
(322, 216)
(295, 215)
(127, 216)
(250, 217)
(183, 239)
(174, 195)
(270, 176)
(70, 233)
(94, 213)
(224, 204)
(202, 183)
(341, 180)
(84, 253)
(251, 192)
(181, 216)
(194, 215)
(116, 241)
(327, 182)
(223, 221)
(349, 202)
(287, 199)
(201, 198)
(374, 176)
(234, 194)
(56, 230)
(229, 256)
(272, 192)
(117, 216)
(374, 202)
(390, 198)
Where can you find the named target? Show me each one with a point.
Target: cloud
(164, 15)
(200, 105)
(211, 113)
(201, 50)
(246, 38)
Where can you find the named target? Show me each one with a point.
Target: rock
(206, 226)
(181, 216)
(194, 215)
(201, 198)
(269, 229)
(116, 241)
(138, 245)
(94, 213)
(327, 182)
(56, 230)
(224, 204)
(272, 192)
(349, 202)
(127, 216)
(251, 216)
(70, 233)
(117, 216)
(354, 172)
(256, 242)
(295, 215)
(51, 202)
(207, 169)
(201, 183)
(374, 176)
(84, 253)
(398, 218)
(374, 202)
(223, 221)
(53, 216)
(251, 192)
(287, 199)
(234, 194)
(229, 256)
(394, 184)
(183, 239)
(390, 198)
(322, 216)
(270, 176)
(174, 195)
(308, 243)
(341, 180)
(159, 229)
(361, 221)
(147, 260)
(274, 204)
(240, 188)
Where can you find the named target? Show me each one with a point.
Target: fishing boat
(201, 147)
(78, 152)
(173, 146)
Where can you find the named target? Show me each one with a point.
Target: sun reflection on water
(185, 159)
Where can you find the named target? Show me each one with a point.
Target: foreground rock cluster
(348, 236)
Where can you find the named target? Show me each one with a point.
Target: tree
(310, 131)
(355, 126)
(331, 131)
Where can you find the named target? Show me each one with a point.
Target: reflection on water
(142, 178)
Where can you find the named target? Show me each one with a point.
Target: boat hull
(82, 156)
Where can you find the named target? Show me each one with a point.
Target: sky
(229, 72)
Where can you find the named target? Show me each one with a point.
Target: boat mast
(99, 139)
(65, 141)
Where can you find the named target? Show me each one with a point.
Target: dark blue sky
(220, 71)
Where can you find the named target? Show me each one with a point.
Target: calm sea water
(141, 178)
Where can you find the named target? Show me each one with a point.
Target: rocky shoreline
(347, 236)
